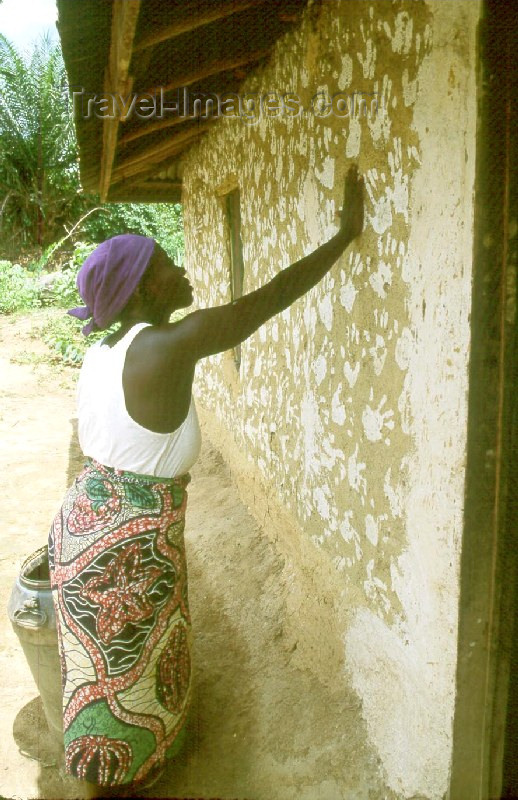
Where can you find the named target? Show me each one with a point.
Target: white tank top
(109, 435)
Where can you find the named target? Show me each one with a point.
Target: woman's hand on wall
(352, 214)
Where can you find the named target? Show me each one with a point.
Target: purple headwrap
(109, 276)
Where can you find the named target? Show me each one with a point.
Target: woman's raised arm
(214, 330)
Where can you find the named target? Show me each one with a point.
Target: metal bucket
(31, 612)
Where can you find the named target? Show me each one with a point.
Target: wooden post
(117, 80)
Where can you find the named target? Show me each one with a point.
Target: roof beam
(159, 185)
(213, 68)
(117, 80)
(196, 20)
(148, 161)
(146, 192)
(154, 127)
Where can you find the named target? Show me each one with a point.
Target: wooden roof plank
(146, 192)
(117, 80)
(158, 184)
(156, 127)
(213, 68)
(196, 20)
(148, 161)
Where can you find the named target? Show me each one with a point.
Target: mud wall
(347, 417)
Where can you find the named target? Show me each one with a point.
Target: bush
(162, 221)
(39, 173)
(63, 291)
(40, 191)
(18, 289)
(63, 336)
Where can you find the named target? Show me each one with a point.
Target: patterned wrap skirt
(119, 584)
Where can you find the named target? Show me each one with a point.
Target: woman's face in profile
(164, 286)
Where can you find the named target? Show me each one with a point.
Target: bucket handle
(30, 615)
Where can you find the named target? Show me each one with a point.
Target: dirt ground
(262, 729)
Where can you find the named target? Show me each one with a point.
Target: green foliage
(67, 343)
(168, 220)
(39, 177)
(18, 289)
(162, 221)
(41, 198)
(63, 291)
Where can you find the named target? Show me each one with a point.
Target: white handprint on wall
(378, 353)
(380, 122)
(355, 470)
(375, 420)
(399, 193)
(377, 190)
(381, 280)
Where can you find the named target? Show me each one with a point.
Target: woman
(116, 547)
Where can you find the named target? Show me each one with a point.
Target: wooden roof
(137, 49)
